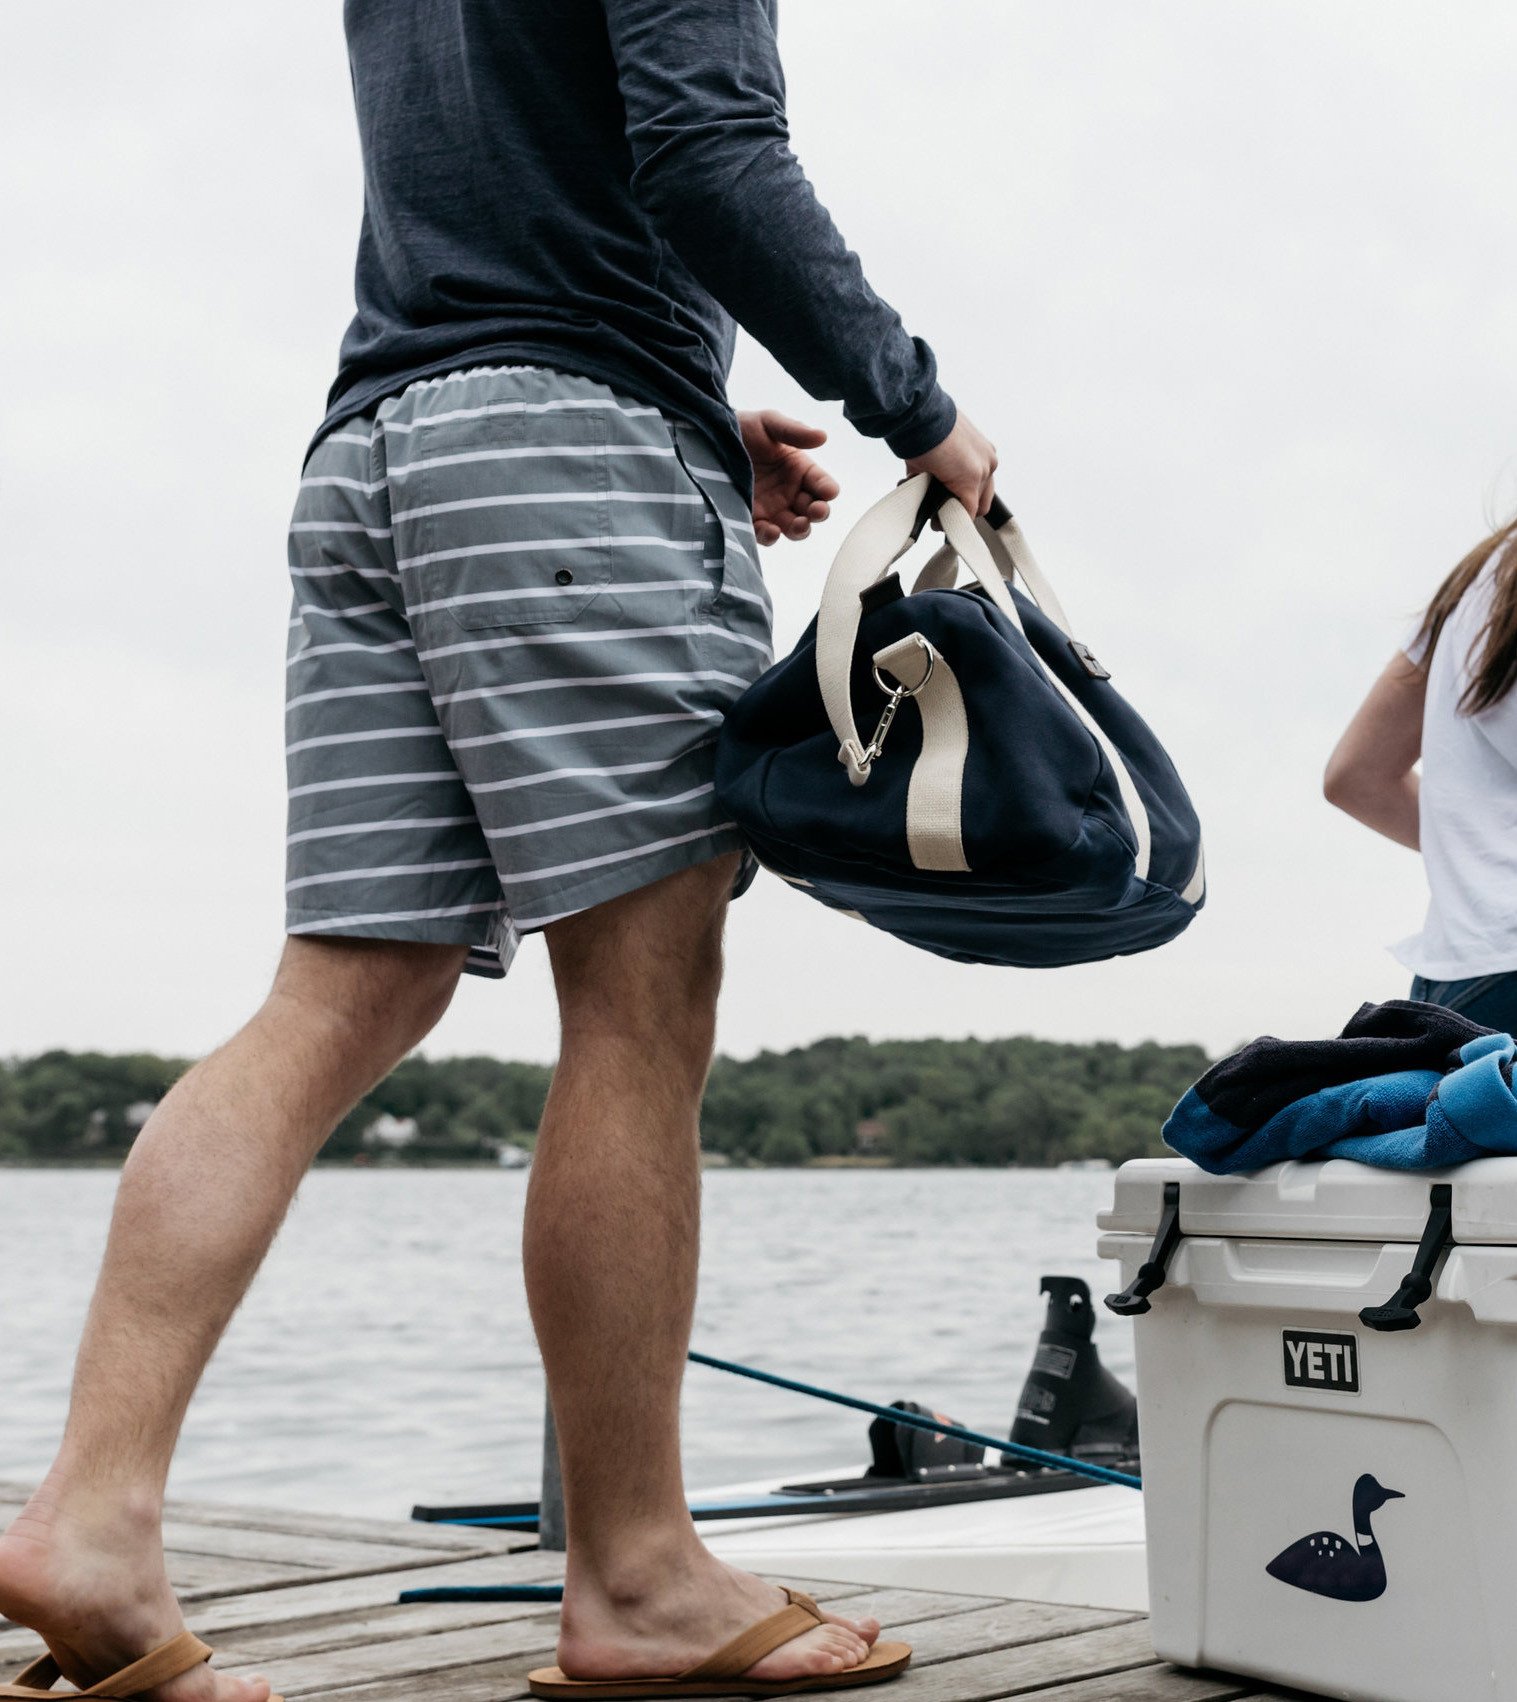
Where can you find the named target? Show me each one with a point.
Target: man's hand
(790, 491)
(966, 462)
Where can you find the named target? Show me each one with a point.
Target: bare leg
(201, 1197)
(611, 1246)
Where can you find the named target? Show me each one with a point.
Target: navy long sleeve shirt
(603, 186)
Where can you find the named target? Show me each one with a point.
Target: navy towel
(1406, 1086)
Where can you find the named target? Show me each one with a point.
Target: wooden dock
(310, 1600)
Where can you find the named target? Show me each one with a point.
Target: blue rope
(487, 1593)
(1033, 1456)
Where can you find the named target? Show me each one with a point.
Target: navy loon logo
(1329, 1565)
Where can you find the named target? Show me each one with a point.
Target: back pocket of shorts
(501, 520)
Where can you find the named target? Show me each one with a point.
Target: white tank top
(1468, 812)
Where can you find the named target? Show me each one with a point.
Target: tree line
(986, 1102)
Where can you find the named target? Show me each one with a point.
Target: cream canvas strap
(1013, 556)
(870, 550)
(934, 829)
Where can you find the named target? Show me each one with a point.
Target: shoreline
(339, 1166)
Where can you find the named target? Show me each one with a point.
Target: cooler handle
(1400, 1311)
(1132, 1302)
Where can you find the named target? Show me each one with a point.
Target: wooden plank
(411, 1533)
(404, 1660)
(284, 1548)
(894, 1607)
(198, 1576)
(405, 1533)
(1151, 1684)
(383, 1625)
(1029, 1667)
(206, 1560)
(1005, 1625)
(327, 1599)
(499, 1680)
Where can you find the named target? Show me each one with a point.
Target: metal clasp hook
(895, 695)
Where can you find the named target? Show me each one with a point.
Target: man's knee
(393, 992)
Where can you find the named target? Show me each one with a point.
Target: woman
(1448, 698)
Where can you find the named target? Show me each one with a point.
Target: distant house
(870, 1135)
(390, 1134)
(512, 1157)
(136, 1115)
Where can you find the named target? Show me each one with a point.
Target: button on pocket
(502, 518)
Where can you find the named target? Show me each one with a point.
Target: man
(525, 591)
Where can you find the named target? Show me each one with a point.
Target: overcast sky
(1231, 287)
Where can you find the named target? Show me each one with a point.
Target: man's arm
(1371, 775)
(705, 103)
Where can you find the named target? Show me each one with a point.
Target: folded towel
(1406, 1086)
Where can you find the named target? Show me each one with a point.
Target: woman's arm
(1372, 773)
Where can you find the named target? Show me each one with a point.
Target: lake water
(385, 1356)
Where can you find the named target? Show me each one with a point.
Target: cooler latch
(1400, 1311)
(1133, 1300)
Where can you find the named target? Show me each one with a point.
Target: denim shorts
(1490, 1000)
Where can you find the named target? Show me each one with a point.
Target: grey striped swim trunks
(523, 604)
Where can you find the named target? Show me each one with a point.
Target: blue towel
(1404, 1119)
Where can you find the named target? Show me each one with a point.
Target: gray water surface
(385, 1356)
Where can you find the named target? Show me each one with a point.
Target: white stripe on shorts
(354, 691)
(329, 924)
(323, 481)
(493, 408)
(355, 782)
(341, 526)
(519, 640)
(676, 498)
(367, 736)
(395, 869)
(514, 734)
(586, 682)
(338, 572)
(337, 614)
(639, 804)
(528, 876)
(334, 649)
(526, 452)
(526, 593)
(396, 825)
(518, 546)
(518, 781)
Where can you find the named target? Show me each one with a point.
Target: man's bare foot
(672, 1616)
(88, 1577)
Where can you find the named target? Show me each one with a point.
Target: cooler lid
(1333, 1201)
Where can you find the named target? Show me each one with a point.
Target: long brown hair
(1495, 672)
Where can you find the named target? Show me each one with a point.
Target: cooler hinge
(1400, 1311)
(1133, 1300)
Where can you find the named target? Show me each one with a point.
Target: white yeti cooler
(1331, 1502)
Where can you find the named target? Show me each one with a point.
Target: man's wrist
(925, 427)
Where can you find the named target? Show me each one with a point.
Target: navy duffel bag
(1010, 807)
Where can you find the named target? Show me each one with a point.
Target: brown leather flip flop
(179, 1655)
(720, 1674)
